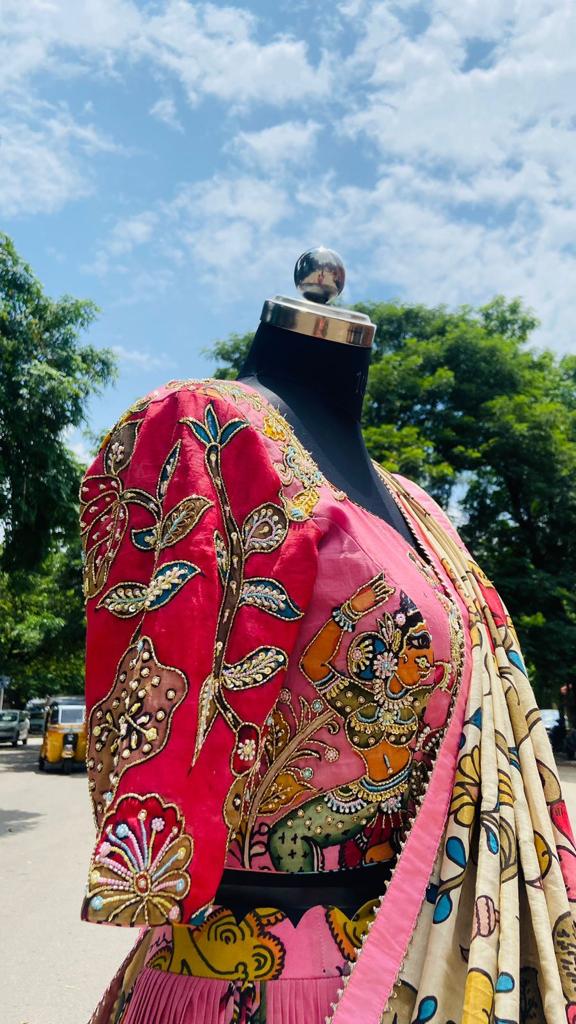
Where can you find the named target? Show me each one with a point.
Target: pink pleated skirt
(261, 970)
(161, 998)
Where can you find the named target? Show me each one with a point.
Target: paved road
(53, 967)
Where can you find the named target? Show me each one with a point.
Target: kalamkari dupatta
(478, 921)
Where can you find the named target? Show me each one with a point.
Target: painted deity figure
(380, 699)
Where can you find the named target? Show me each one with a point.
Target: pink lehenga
(277, 682)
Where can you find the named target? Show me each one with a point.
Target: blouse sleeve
(196, 582)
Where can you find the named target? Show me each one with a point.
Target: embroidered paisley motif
(132, 723)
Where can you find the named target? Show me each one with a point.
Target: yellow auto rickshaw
(64, 739)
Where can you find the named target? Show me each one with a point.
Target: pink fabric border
(376, 970)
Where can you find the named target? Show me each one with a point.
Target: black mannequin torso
(319, 387)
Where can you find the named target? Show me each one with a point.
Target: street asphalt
(54, 968)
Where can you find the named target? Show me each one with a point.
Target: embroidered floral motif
(138, 874)
(296, 466)
(104, 519)
(103, 508)
(263, 530)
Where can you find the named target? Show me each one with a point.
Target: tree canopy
(461, 402)
(47, 376)
(42, 628)
(46, 379)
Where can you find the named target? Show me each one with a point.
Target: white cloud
(232, 230)
(165, 110)
(142, 360)
(209, 51)
(212, 50)
(127, 234)
(223, 236)
(42, 151)
(280, 146)
(444, 177)
(476, 192)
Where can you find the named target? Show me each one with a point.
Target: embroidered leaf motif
(255, 669)
(125, 599)
(198, 428)
(138, 497)
(103, 523)
(120, 447)
(277, 735)
(231, 428)
(282, 792)
(167, 581)
(183, 518)
(222, 556)
(210, 431)
(167, 471)
(270, 596)
(264, 529)
(146, 539)
(206, 714)
(212, 423)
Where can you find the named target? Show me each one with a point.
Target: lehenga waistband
(242, 890)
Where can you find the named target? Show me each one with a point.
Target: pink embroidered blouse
(271, 669)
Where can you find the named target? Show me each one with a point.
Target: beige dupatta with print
(495, 939)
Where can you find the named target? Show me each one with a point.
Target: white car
(14, 726)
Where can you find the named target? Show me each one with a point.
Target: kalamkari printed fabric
(276, 680)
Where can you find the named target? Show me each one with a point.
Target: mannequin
(318, 384)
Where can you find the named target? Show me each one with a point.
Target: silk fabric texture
(203, 510)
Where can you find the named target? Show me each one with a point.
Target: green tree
(46, 379)
(42, 628)
(230, 354)
(462, 403)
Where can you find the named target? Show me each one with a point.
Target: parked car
(556, 726)
(14, 727)
(36, 709)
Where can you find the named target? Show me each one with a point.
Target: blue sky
(171, 160)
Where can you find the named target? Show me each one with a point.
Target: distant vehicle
(556, 726)
(14, 727)
(64, 740)
(36, 709)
